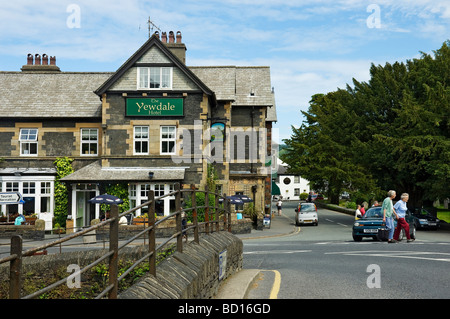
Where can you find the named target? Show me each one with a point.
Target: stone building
(152, 123)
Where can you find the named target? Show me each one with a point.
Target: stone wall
(192, 274)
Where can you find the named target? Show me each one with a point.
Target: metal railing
(112, 256)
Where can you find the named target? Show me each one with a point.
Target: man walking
(388, 212)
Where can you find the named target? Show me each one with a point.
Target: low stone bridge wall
(194, 273)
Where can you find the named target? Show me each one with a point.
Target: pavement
(238, 285)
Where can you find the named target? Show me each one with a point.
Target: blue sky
(312, 46)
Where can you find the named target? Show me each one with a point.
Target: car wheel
(413, 233)
(357, 238)
(401, 235)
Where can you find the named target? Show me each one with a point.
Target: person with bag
(388, 213)
(401, 208)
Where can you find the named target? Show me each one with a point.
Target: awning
(275, 189)
(96, 173)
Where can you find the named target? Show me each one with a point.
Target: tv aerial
(151, 25)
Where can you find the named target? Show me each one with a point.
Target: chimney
(37, 66)
(30, 59)
(178, 48)
(37, 59)
(171, 37)
(44, 59)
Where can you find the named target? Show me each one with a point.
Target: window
(46, 191)
(89, 141)
(141, 140)
(28, 141)
(159, 190)
(168, 140)
(155, 78)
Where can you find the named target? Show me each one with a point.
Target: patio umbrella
(106, 199)
(234, 199)
(244, 198)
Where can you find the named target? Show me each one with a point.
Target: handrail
(16, 254)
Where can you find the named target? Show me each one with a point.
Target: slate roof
(47, 94)
(95, 171)
(244, 85)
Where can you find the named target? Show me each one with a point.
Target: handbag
(383, 233)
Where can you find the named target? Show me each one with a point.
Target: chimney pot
(44, 59)
(29, 59)
(171, 37)
(178, 36)
(164, 37)
(37, 59)
(53, 60)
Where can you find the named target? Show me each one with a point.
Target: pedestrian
(388, 212)
(401, 208)
(358, 214)
(279, 203)
(362, 209)
(375, 204)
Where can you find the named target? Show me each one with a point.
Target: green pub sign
(154, 107)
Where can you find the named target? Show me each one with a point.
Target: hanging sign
(154, 107)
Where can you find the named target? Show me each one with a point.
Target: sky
(311, 46)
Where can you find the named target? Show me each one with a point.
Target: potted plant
(57, 229)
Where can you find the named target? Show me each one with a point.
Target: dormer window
(154, 78)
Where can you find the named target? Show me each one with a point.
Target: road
(324, 262)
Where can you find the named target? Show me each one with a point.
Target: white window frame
(161, 74)
(168, 140)
(39, 187)
(26, 139)
(141, 140)
(89, 141)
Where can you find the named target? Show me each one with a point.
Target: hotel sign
(154, 107)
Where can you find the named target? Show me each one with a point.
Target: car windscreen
(307, 208)
(374, 213)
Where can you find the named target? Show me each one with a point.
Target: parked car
(372, 221)
(424, 220)
(306, 213)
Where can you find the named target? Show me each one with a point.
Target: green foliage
(63, 168)
(200, 201)
(392, 132)
(121, 191)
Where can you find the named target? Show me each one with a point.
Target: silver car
(306, 213)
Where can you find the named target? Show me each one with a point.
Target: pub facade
(152, 123)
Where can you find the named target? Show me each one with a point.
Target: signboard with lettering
(154, 107)
(11, 198)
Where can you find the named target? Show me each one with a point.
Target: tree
(391, 132)
(322, 150)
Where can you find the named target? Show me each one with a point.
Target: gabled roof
(153, 41)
